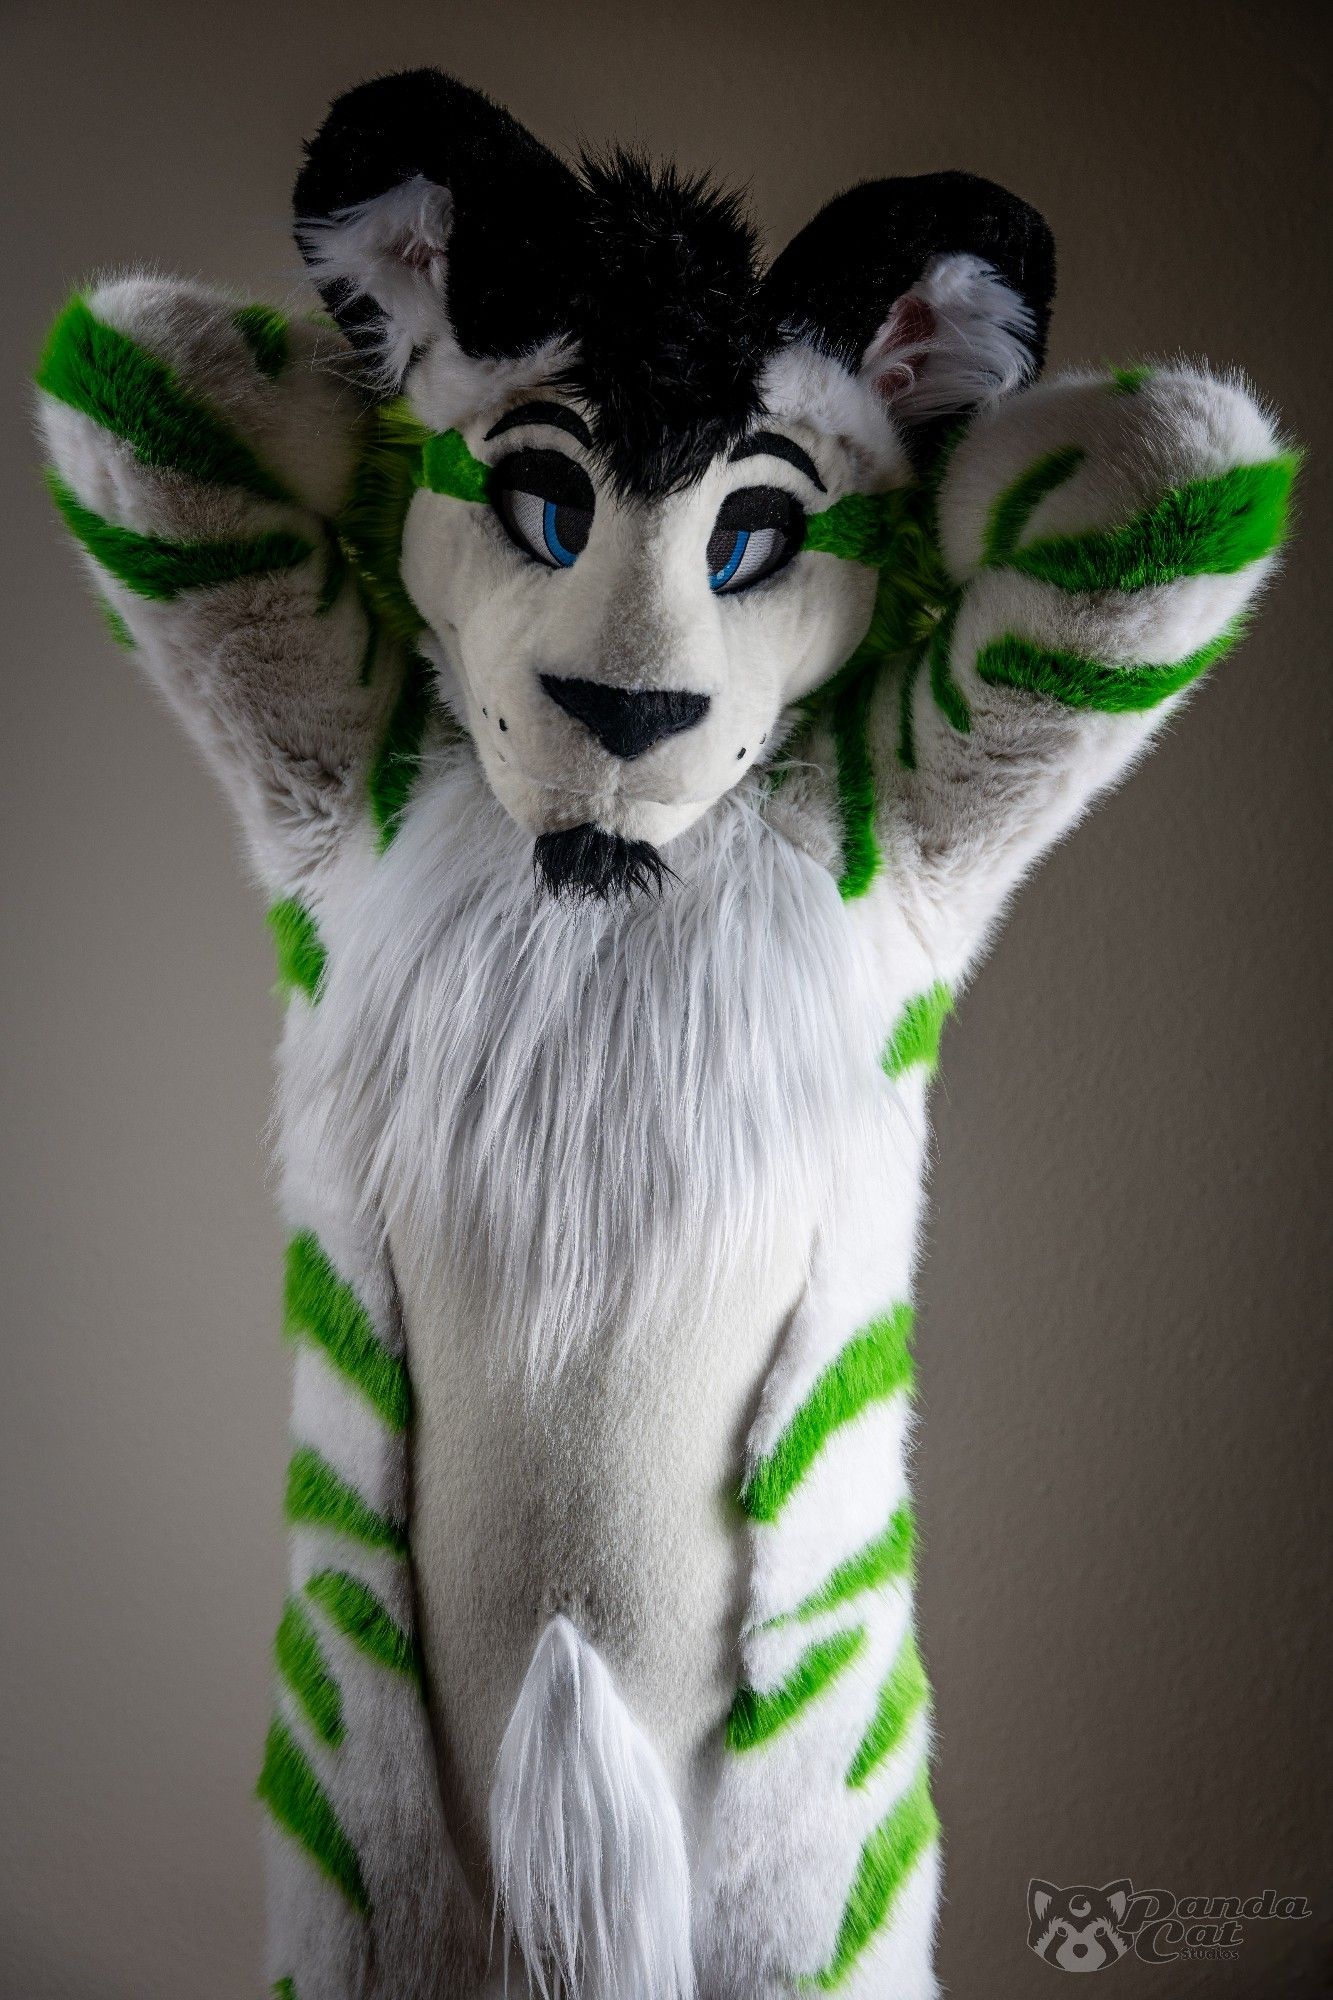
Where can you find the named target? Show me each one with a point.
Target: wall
(1123, 1477)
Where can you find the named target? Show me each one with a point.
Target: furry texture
(586, 1838)
(629, 1190)
(576, 1075)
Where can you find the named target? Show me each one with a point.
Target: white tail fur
(586, 1838)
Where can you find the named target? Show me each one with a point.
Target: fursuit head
(643, 671)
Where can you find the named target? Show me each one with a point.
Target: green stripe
(447, 466)
(384, 484)
(873, 1366)
(1011, 512)
(1128, 381)
(303, 1667)
(318, 1498)
(903, 1695)
(949, 697)
(887, 1859)
(297, 1800)
(906, 697)
(394, 771)
(300, 952)
(160, 569)
(1209, 527)
(284, 1989)
(318, 1305)
(861, 527)
(882, 1561)
(915, 1040)
(116, 626)
(755, 1717)
(359, 1615)
(1076, 682)
(265, 333)
(856, 784)
(95, 369)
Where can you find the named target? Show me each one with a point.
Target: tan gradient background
(1123, 1464)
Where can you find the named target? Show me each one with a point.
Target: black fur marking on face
(585, 862)
(558, 415)
(772, 444)
(650, 274)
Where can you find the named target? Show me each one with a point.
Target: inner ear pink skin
(899, 349)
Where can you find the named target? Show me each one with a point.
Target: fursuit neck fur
(595, 1112)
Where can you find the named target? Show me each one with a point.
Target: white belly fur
(610, 1496)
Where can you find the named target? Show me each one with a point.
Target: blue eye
(718, 579)
(758, 530)
(545, 502)
(551, 525)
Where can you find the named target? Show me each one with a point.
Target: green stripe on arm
(293, 1794)
(1099, 685)
(284, 1989)
(755, 1717)
(317, 1497)
(887, 1859)
(882, 1561)
(266, 334)
(358, 1614)
(300, 952)
(1013, 509)
(903, 1695)
(1208, 527)
(873, 1366)
(915, 1041)
(153, 567)
(129, 392)
(319, 1306)
(302, 1665)
(856, 785)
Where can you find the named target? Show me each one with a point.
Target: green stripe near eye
(755, 1717)
(98, 371)
(153, 567)
(447, 466)
(1209, 527)
(293, 1794)
(861, 527)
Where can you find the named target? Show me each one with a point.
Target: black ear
(935, 290)
(427, 213)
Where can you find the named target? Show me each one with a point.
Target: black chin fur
(585, 861)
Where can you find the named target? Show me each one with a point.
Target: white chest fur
(604, 1145)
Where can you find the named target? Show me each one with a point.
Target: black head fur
(650, 272)
(586, 862)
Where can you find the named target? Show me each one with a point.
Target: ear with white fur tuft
(433, 222)
(933, 292)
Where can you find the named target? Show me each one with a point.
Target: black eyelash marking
(772, 444)
(557, 415)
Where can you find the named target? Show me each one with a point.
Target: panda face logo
(1078, 1929)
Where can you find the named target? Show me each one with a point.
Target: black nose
(626, 721)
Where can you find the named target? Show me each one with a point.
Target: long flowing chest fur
(584, 1108)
